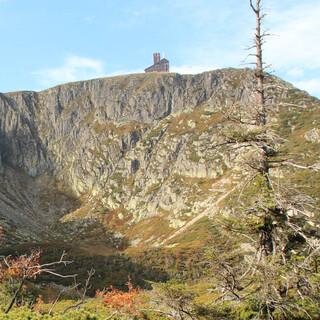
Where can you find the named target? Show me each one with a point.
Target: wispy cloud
(124, 72)
(297, 40)
(295, 72)
(212, 43)
(74, 68)
(295, 48)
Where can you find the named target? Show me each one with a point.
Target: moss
(130, 181)
(89, 118)
(193, 156)
(153, 188)
(117, 176)
(97, 153)
(180, 123)
(152, 134)
(119, 130)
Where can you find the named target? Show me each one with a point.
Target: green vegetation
(27, 314)
(255, 255)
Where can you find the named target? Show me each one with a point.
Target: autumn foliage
(122, 301)
(21, 267)
(17, 271)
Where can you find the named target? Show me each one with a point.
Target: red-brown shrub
(126, 302)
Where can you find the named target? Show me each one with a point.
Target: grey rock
(112, 142)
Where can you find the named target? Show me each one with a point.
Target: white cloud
(295, 72)
(311, 85)
(74, 68)
(124, 72)
(297, 40)
(294, 51)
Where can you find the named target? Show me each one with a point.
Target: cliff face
(57, 128)
(133, 152)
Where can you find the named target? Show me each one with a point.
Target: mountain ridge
(127, 151)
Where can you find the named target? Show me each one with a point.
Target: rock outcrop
(122, 150)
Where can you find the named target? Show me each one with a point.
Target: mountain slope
(139, 156)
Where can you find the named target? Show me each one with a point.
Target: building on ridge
(159, 65)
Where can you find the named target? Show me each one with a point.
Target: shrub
(123, 302)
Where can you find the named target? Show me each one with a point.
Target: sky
(49, 42)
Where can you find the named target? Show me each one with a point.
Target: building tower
(159, 65)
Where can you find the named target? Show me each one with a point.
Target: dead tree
(280, 211)
(259, 72)
(28, 267)
(82, 293)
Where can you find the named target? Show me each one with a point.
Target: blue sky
(47, 42)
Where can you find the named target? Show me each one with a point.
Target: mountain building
(159, 65)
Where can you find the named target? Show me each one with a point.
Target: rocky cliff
(140, 155)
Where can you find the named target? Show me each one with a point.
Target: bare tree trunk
(15, 296)
(262, 116)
